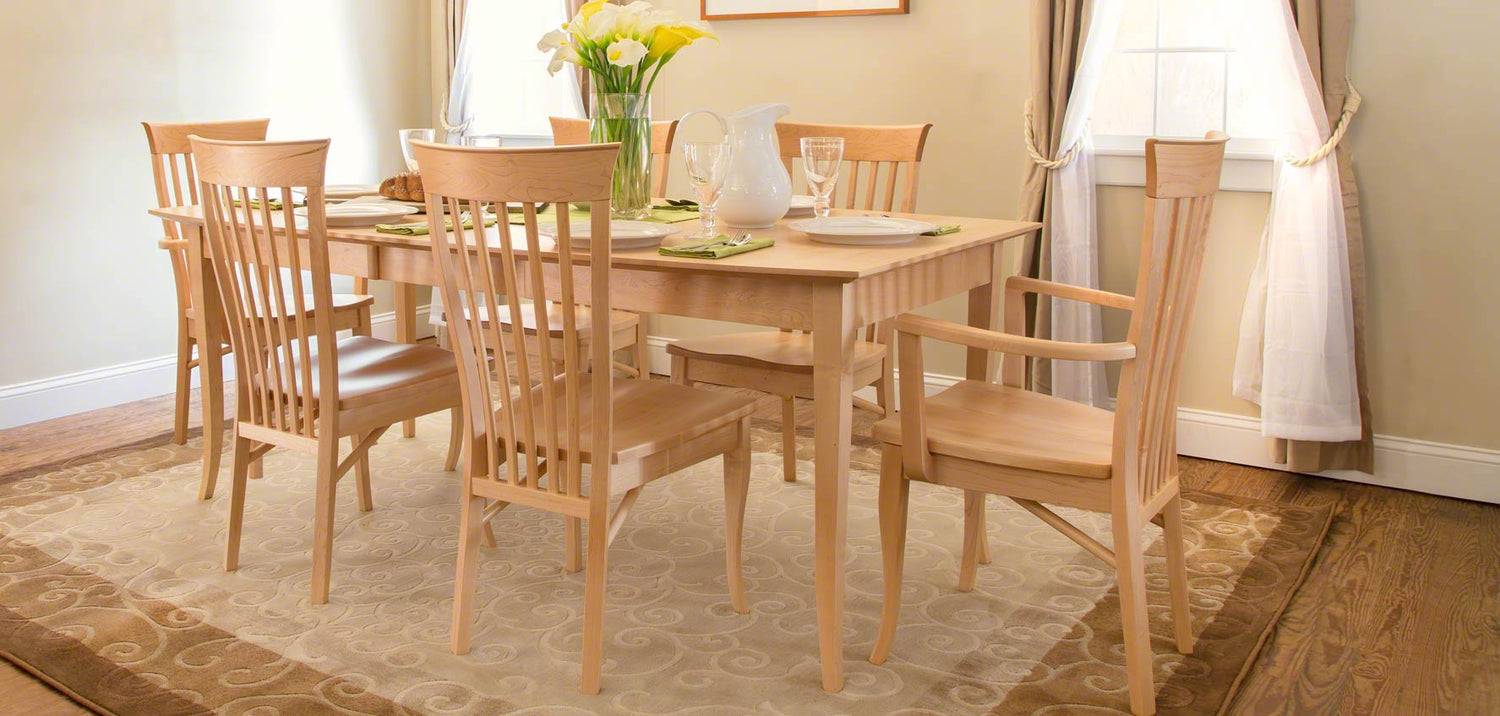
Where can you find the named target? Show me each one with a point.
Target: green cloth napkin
(942, 230)
(714, 249)
(422, 229)
(660, 213)
(274, 204)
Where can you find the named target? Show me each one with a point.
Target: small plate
(622, 234)
(802, 205)
(362, 213)
(862, 230)
(350, 191)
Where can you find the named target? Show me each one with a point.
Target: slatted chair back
(176, 185)
(263, 277)
(870, 152)
(567, 130)
(1182, 177)
(527, 423)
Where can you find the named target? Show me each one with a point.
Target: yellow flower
(589, 8)
(668, 39)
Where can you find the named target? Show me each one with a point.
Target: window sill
(1243, 171)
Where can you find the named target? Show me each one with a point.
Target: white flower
(602, 25)
(625, 52)
(554, 40)
(567, 53)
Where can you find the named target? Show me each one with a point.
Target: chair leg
(642, 357)
(1131, 570)
(974, 537)
(455, 438)
(885, 388)
(593, 601)
(788, 438)
(258, 468)
(322, 558)
(184, 385)
(736, 494)
(364, 325)
(465, 583)
(895, 493)
(680, 371)
(362, 475)
(1172, 536)
(239, 469)
(572, 544)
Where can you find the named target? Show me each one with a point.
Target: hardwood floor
(1400, 613)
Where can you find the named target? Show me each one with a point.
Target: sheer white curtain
(1075, 234)
(500, 82)
(1296, 349)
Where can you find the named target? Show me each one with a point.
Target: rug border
(61, 688)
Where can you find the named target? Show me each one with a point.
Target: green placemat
(942, 230)
(660, 214)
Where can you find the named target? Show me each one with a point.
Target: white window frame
(1120, 160)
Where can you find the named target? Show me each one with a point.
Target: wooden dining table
(831, 290)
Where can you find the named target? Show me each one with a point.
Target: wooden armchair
(782, 363)
(1035, 449)
(300, 386)
(529, 430)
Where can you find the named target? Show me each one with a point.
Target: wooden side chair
(782, 363)
(1035, 448)
(568, 130)
(530, 431)
(173, 171)
(299, 385)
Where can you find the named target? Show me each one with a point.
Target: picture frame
(766, 9)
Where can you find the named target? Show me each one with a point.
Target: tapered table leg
(833, 384)
(406, 332)
(210, 335)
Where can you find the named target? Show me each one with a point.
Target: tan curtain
(453, 29)
(1325, 27)
(584, 91)
(1058, 28)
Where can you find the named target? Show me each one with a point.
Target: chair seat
(372, 370)
(650, 416)
(341, 302)
(618, 320)
(1001, 425)
(776, 350)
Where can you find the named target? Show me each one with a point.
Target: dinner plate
(622, 234)
(863, 230)
(802, 205)
(362, 213)
(350, 191)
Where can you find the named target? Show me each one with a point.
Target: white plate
(350, 191)
(802, 205)
(862, 230)
(622, 234)
(362, 213)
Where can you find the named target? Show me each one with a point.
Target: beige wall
(82, 284)
(1424, 144)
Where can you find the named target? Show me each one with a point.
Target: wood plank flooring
(1400, 613)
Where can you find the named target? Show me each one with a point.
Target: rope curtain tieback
(450, 128)
(1036, 154)
(1351, 108)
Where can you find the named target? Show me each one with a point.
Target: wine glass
(707, 165)
(414, 135)
(821, 158)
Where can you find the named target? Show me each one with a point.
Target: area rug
(111, 588)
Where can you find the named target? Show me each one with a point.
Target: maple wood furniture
(1034, 448)
(172, 169)
(568, 130)
(558, 416)
(781, 363)
(298, 385)
(798, 284)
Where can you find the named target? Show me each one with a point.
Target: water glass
(414, 135)
(821, 158)
(707, 167)
(483, 140)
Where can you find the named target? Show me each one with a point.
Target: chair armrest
(1012, 344)
(1019, 285)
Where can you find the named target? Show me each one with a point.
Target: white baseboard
(48, 398)
(1436, 468)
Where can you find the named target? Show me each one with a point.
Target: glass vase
(626, 118)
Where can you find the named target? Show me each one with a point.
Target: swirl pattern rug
(111, 587)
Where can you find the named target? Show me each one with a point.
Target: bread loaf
(406, 186)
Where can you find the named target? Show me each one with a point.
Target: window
(510, 92)
(1175, 72)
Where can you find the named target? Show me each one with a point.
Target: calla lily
(669, 39)
(567, 53)
(589, 8)
(625, 52)
(554, 40)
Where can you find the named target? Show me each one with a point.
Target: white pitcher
(757, 189)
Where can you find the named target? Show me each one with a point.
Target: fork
(739, 239)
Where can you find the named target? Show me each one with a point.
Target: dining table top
(795, 254)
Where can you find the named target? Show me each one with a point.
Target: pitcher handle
(723, 125)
